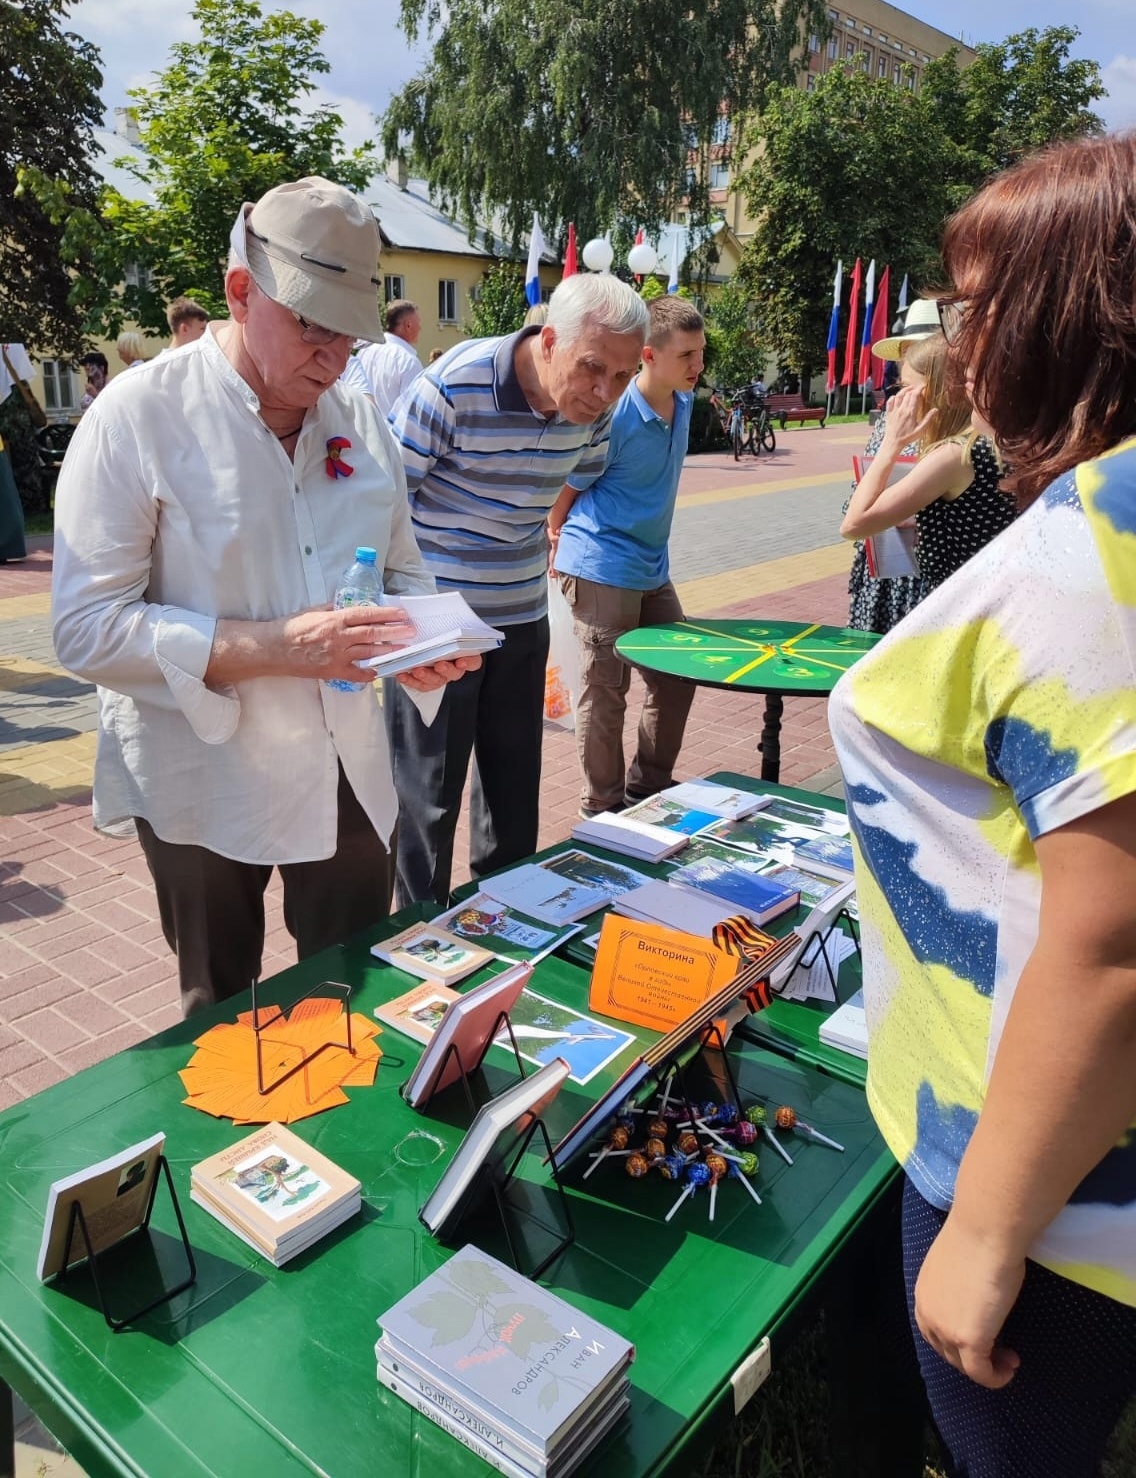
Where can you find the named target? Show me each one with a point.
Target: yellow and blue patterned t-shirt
(1002, 707)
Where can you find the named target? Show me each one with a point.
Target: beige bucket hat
(314, 247)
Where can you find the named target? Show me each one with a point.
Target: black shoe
(587, 812)
(636, 798)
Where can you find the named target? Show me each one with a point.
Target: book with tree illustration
(274, 1191)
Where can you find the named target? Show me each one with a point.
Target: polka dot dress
(1054, 1419)
(951, 531)
(876, 605)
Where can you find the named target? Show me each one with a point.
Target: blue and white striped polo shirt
(482, 471)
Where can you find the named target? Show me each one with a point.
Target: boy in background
(608, 536)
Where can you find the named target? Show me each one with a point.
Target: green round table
(777, 658)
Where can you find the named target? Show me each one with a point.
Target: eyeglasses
(951, 314)
(311, 333)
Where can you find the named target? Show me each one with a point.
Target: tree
(221, 125)
(1013, 98)
(49, 105)
(858, 167)
(583, 109)
(733, 353)
(499, 307)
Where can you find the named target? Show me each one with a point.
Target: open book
(444, 626)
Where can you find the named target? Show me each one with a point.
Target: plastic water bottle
(360, 585)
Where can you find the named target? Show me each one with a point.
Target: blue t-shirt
(617, 530)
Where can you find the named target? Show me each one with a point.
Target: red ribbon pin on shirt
(336, 465)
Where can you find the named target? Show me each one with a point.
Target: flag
(881, 322)
(865, 368)
(850, 342)
(675, 252)
(833, 325)
(901, 307)
(570, 267)
(532, 271)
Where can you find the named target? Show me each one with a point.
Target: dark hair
(1044, 258)
(398, 310)
(671, 315)
(95, 360)
(183, 310)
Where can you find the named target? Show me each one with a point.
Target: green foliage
(1013, 98)
(577, 108)
(221, 125)
(49, 105)
(651, 289)
(499, 307)
(734, 355)
(860, 167)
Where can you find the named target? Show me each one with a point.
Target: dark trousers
(1078, 1370)
(212, 908)
(497, 715)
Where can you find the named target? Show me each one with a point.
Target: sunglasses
(951, 314)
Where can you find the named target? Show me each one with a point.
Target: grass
(39, 523)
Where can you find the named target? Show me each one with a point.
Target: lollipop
(620, 1137)
(655, 1149)
(696, 1175)
(757, 1116)
(671, 1167)
(806, 1131)
(785, 1117)
(687, 1144)
(739, 1173)
(637, 1165)
(717, 1167)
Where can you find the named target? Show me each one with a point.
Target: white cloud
(359, 126)
(1119, 109)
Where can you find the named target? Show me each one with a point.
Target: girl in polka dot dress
(953, 493)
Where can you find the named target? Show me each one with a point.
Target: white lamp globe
(642, 258)
(598, 254)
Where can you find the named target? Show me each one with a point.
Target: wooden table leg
(770, 745)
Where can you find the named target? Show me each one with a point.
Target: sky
(371, 58)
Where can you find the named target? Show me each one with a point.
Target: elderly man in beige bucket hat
(208, 505)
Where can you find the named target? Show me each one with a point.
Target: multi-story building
(880, 38)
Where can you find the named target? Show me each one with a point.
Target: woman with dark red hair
(988, 746)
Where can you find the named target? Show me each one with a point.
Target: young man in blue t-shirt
(608, 534)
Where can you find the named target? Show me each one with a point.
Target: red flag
(639, 237)
(880, 322)
(570, 267)
(852, 343)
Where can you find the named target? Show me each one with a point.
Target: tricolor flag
(865, 368)
(901, 307)
(850, 341)
(880, 325)
(833, 325)
(677, 234)
(532, 271)
(570, 267)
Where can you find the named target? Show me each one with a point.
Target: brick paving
(84, 970)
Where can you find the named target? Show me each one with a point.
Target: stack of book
(513, 1372)
(275, 1192)
(661, 825)
(444, 626)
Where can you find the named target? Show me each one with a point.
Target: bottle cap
(365, 555)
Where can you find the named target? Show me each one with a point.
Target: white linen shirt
(389, 368)
(176, 506)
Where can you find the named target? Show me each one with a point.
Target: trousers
(212, 908)
(601, 614)
(495, 714)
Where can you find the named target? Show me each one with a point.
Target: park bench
(792, 408)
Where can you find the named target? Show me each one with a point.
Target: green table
(265, 1371)
(777, 658)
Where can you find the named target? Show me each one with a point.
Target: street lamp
(642, 258)
(598, 254)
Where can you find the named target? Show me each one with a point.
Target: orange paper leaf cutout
(220, 1078)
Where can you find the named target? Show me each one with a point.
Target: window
(833, 48)
(814, 42)
(62, 388)
(883, 67)
(691, 180)
(447, 300)
(895, 71)
(810, 82)
(721, 134)
(883, 39)
(868, 59)
(833, 17)
(719, 176)
(394, 287)
(867, 30)
(911, 51)
(135, 275)
(849, 50)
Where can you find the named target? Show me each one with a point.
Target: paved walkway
(84, 970)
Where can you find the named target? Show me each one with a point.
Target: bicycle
(749, 427)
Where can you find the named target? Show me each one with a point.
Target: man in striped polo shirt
(489, 437)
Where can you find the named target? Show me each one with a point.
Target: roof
(411, 220)
(109, 148)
